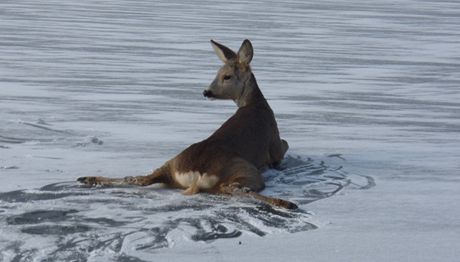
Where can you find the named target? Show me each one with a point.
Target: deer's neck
(251, 94)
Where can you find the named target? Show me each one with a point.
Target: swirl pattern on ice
(78, 222)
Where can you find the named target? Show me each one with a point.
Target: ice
(366, 93)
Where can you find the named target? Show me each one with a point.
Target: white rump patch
(202, 181)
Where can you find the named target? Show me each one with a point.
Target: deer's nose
(207, 93)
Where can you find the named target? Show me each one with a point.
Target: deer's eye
(227, 77)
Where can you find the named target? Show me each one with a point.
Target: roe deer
(229, 161)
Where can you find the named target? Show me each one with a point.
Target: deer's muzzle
(207, 93)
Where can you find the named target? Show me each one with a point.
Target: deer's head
(231, 81)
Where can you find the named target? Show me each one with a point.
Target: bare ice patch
(64, 221)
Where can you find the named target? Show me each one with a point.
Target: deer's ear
(224, 53)
(246, 52)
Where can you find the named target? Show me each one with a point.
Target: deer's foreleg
(244, 180)
(236, 189)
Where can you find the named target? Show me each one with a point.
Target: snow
(366, 93)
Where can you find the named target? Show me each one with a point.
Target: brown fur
(236, 152)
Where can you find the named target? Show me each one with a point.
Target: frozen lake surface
(367, 93)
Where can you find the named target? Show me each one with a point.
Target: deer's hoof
(291, 205)
(87, 180)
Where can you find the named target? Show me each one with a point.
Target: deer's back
(247, 134)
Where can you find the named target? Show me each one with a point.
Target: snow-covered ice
(366, 93)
